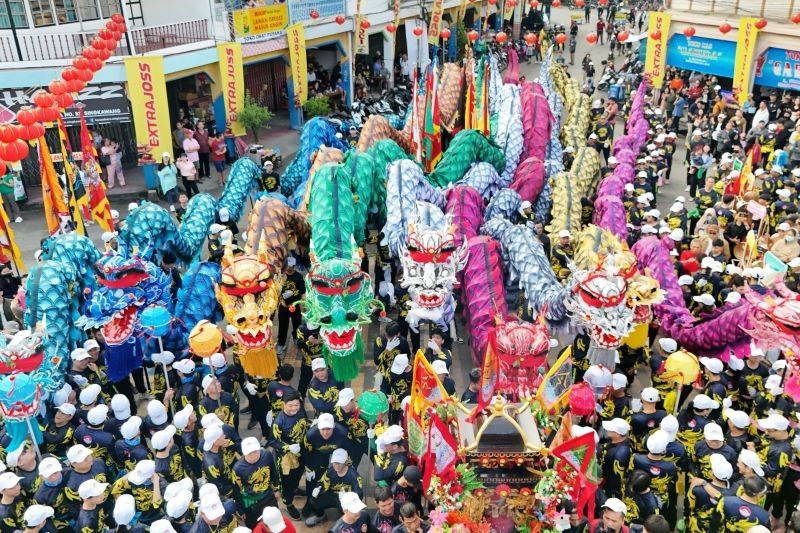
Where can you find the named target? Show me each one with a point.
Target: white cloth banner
(417, 47)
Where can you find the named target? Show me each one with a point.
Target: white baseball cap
(181, 418)
(616, 505)
(218, 360)
(668, 345)
(318, 363)
(713, 431)
(657, 442)
(79, 354)
(564, 233)
(740, 419)
(325, 421)
(750, 458)
(647, 228)
(439, 367)
(215, 228)
(670, 425)
(207, 382)
(779, 365)
(794, 263)
(339, 455)
(755, 351)
(97, 414)
(351, 503)
(250, 445)
(686, 280)
(720, 466)
(676, 235)
(702, 401)
(705, 299)
(163, 526)
(179, 504)
(108, 236)
(8, 480)
(89, 394)
(185, 366)
(733, 297)
(399, 364)
(131, 427)
(736, 364)
(121, 406)
(90, 344)
(273, 519)
(49, 466)
(124, 510)
(78, 453)
(210, 436)
(36, 515)
(651, 395)
(612, 160)
(713, 365)
(91, 488)
(774, 421)
(161, 439)
(210, 419)
(143, 471)
(211, 506)
(629, 187)
(617, 425)
(619, 381)
(642, 199)
(157, 412)
(177, 487)
(655, 213)
(346, 396)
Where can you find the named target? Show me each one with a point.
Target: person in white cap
(714, 387)
(561, 255)
(738, 423)
(646, 420)
(346, 413)
(23, 462)
(355, 516)
(399, 386)
(616, 404)
(188, 438)
(777, 449)
(146, 486)
(88, 397)
(39, 518)
(704, 305)
(167, 456)
(121, 412)
(51, 490)
(525, 212)
(321, 440)
(694, 418)
(257, 480)
(338, 477)
(214, 515)
(323, 390)
(110, 242)
(216, 400)
(616, 456)
(130, 449)
(385, 349)
(774, 399)
(124, 511)
(273, 521)
(59, 432)
(83, 370)
(743, 512)
(12, 501)
(216, 469)
(91, 516)
(663, 471)
(177, 509)
(705, 493)
(187, 387)
(92, 434)
(713, 442)
(165, 526)
(749, 464)
(439, 367)
(288, 432)
(83, 466)
(392, 457)
(292, 291)
(613, 517)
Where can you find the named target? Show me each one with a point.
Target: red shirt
(215, 146)
(261, 528)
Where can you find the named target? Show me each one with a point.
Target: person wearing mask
(338, 478)
(130, 450)
(256, 479)
(288, 437)
(323, 391)
(51, 491)
(188, 173)
(168, 179)
(289, 310)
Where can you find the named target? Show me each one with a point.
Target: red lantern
(511, 3)
(340, 19)
(365, 24)
(534, 4)
(417, 31)
(602, 2)
(3, 168)
(761, 24)
(796, 18)
(14, 151)
(106, 33)
(492, 2)
(591, 38)
(47, 114)
(725, 28)
(314, 14)
(622, 36)
(64, 101)
(80, 63)
(9, 132)
(69, 73)
(103, 54)
(25, 116)
(390, 27)
(561, 38)
(656, 35)
(530, 39)
(473, 35)
(31, 132)
(116, 36)
(75, 86)
(120, 28)
(556, 3)
(85, 75)
(580, 3)
(445, 33)
(42, 98)
(689, 32)
(94, 64)
(89, 53)
(501, 37)
(118, 18)
(57, 87)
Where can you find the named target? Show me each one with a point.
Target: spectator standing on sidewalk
(9, 198)
(202, 138)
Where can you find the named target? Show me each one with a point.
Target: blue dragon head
(126, 286)
(24, 373)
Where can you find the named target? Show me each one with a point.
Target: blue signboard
(709, 56)
(778, 68)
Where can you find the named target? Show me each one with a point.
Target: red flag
(442, 453)
(580, 454)
(98, 201)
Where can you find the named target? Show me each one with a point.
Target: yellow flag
(8, 245)
(78, 197)
(55, 207)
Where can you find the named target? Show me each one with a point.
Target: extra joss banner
(656, 58)
(147, 90)
(745, 52)
(232, 75)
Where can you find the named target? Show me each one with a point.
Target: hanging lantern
(106, 33)
(155, 320)
(511, 3)
(602, 2)
(591, 38)
(796, 18)
(118, 18)
(14, 151)
(501, 37)
(9, 132)
(761, 24)
(85, 75)
(3, 169)
(75, 86)
(417, 31)
(622, 36)
(445, 33)
(534, 4)
(492, 2)
(47, 114)
(64, 101)
(580, 3)
(94, 64)
(556, 3)
(530, 38)
(340, 19)
(365, 24)
(656, 35)
(119, 28)
(473, 35)
(31, 131)
(25, 116)
(42, 98)
(561, 38)
(80, 63)
(314, 14)
(689, 32)
(103, 54)
(57, 87)
(89, 53)
(116, 35)
(390, 27)
(725, 28)
(69, 73)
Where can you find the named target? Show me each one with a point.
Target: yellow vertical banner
(297, 57)
(508, 10)
(231, 70)
(745, 52)
(656, 59)
(435, 27)
(396, 19)
(147, 90)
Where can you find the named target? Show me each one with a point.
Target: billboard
(778, 68)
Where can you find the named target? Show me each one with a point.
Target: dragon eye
(326, 320)
(352, 317)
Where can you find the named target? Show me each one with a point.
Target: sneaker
(313, 520)
(293, 512)
(18, 220)
(687, 189)
(384, 319)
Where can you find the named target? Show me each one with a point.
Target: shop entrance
(266, 82)
(191, 98)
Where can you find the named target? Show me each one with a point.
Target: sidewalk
(279, 135)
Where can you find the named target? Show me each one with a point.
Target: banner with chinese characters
(296, 37)
(656, 58)
(232, 74)
(147, 90)
(362, 39)
(745, 52)
(435, 27)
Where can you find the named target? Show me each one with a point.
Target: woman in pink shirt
(192, 149)
(188, 172)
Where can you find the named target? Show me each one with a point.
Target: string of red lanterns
(59, 94)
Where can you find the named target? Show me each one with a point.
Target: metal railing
(53, 46)
(776, 10)
(300, 10)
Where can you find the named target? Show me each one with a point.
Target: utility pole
(14, 30)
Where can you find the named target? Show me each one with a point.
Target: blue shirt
(680, 104)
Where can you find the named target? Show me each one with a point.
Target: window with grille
(65, 11)
(89, 9)
(109, 7)
(18, 10)
(42, 13)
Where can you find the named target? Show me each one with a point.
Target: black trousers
(326, 500)
(205, 164)
(190, 187)
(284, 316)
(258, 412)
(305, 378)
(289, 484)
(406, 331)
(252, 515)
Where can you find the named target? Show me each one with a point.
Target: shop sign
(104, 104)
(778, 68)
(147, 88)
(232, 75)
(709, 56)
(260, 23)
